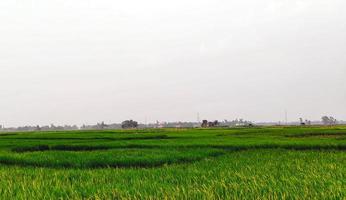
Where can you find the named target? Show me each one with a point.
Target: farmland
(219, 163)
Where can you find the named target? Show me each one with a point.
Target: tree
(216, 123)
(204, 123)
(301, 122)
(101, 125)
(329, 120)
(129, 124)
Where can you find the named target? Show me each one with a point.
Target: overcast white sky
(85, 61)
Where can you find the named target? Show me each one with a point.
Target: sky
(87, 61)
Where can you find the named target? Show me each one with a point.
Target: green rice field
(220, 163)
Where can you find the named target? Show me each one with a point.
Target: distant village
(128, 124)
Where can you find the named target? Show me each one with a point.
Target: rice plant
(219, 163)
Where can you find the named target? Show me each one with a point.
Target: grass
(120, 158)
(220, 163)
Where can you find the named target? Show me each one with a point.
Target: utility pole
(286, 120)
